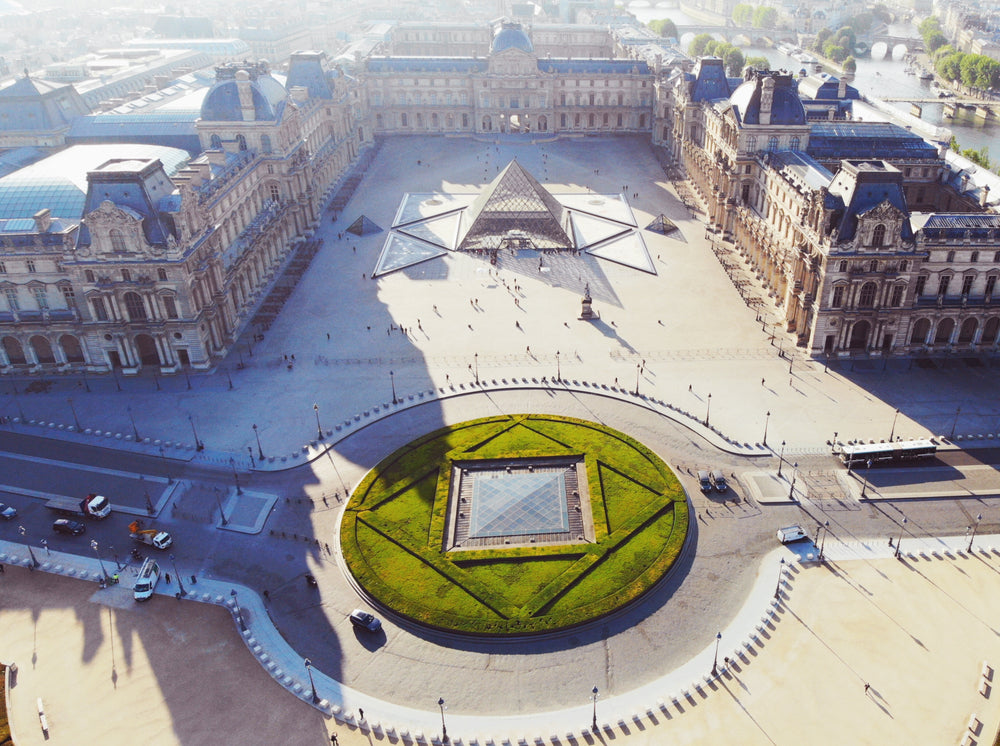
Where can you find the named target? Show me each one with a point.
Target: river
(876, 78)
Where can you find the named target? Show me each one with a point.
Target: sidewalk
(747, 640)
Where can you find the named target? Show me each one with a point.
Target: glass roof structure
(518, 504)
(59, 182)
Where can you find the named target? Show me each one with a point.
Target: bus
(878, 453)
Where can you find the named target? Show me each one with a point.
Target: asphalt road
(662, 630)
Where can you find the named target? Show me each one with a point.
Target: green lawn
(393, 538)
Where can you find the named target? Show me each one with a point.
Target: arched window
(161, 273)
(134, 307)
(216, 142)
(903, 265)
(772, 144)
(752, 143)
(866, 299)
(873, 265)
(794, 144)
(878, 235)
(241, 143)
(117, 241)
(88, 275)
(974, 257)
(842, 266)
(265, 143)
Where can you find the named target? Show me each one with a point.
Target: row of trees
(972, 70)
(980, 157)
(703, 45)
(664, 27)
(835, 45)
(758, 16)
(930, 32)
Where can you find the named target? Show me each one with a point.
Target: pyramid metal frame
(516, 210)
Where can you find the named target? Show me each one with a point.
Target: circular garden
(513, 525)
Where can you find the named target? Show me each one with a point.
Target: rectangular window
(100, 312)
(943, 285)
(897, 296)
(921, 283)
(11, 295)
(967, 285)
(3, 268)
(69, 297)
(41, 298)
(31, 266)
(991, 283)
(170, 306)
(838, 296)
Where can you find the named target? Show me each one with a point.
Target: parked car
(719, 480)
(789, 534)
(363, 619)
(704, 481)
(7, 512)
(68, 526)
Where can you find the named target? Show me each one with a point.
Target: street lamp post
(93, 545)
(558, 367)
(638, 370)
(975, 529)
(825, 526)
(781, 573)
(238, 610)
(198, 445)
(708, 409)
(319, 427)
(236, 476)
(180, 583)
(312, 684)
(475, 359)
(392, 382)
(218, 502)
(715, 662)
(34, 562)
(767, 421)
(593, 725)
(260, 451)
(892, 432)
(864, 484)
(781, 458)
(135, 430)
(958, 411)
(444, 728)
(114, 374)
(795, 474)
(76, 420)
(900, 539)
(253, 462)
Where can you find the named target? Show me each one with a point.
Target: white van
(789, 534)
(145, 584)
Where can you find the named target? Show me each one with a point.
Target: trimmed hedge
(392, 534)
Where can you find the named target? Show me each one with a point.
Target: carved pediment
(884, 211)
(109, 215)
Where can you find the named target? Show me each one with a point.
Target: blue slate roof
(800, 169)
(426, 64)
(306, 71)
(33, 105)
(709, 80)
(863, 185)
(172, 128)
(940, 226)
(866, 140)
(603, 67)
(786, 108)
(825, 87)
(222, 102)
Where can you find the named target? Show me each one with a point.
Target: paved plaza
(334, 361)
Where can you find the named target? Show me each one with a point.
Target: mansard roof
(222, 102)
(34, 105)
(306, 71)
(786, 107)
(862, 186)
(708, 80)
(426, 64)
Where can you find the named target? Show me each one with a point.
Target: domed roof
(786, 108)
(511, 36)
(222, 102)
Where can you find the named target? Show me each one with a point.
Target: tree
(697, 47)
(935, 41)
(850, 65)
(845, 37)
(758, 63)
(734, 60)
(765, 17)
(665, 28)
(743, 14)
(822, 37)
(835, 52)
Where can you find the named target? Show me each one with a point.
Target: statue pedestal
(587, 313)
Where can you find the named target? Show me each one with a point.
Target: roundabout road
(411, 665)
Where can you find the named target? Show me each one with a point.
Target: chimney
(43, 219)
(841, 89)
(299, 93)
(246, 95)
(766, 99)
(984, 195)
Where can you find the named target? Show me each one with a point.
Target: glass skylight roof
(518, 504)
(59, 182)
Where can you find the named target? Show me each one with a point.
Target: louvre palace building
(146, 241)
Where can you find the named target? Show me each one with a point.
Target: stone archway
(146, 348)
(43, 349)
(859, 336)
(72, 349)
(14, 350)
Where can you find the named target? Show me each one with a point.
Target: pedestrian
(328, 335)
(867, 687)
(333, 740)
(286, 358)
(267, 593)
(435, 309)
(1, 569)
(761, 381)
(293, 357)
(689, 388)
(363, 277)
(470, 327)
(517, 324)
(355, 249)
(166, 578)
(361, 712)
(528, 349)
